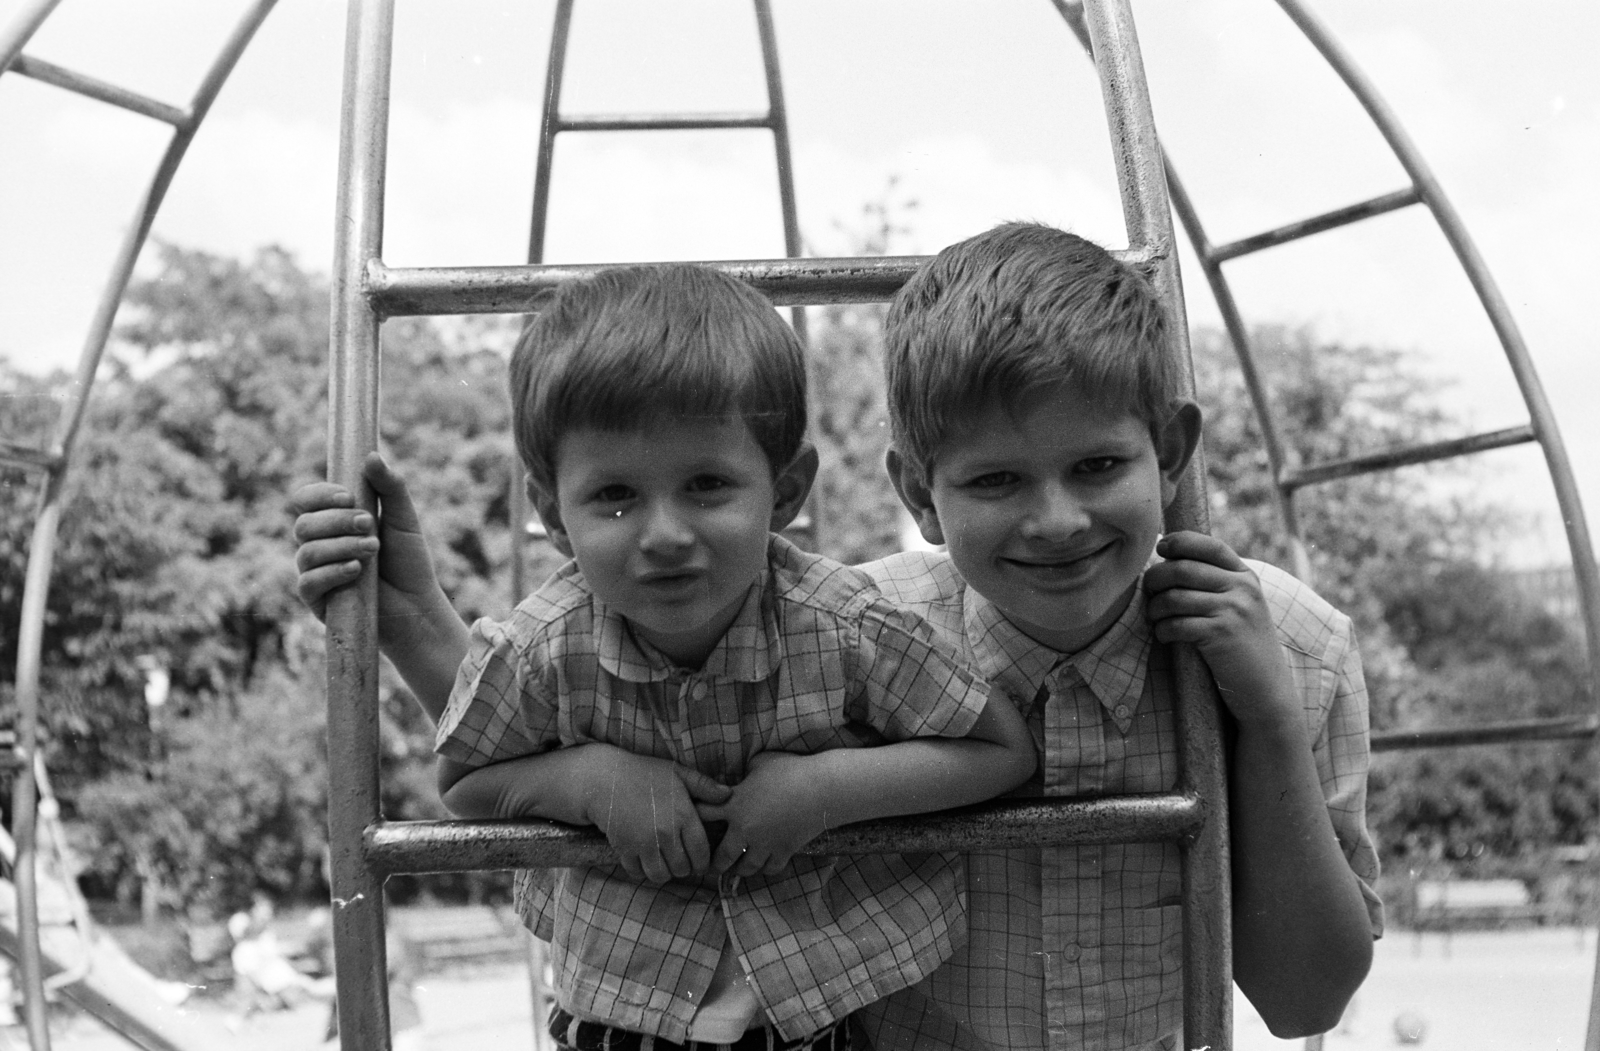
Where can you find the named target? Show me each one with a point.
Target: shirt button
(1072, 952)
(699, 691)
(1123, 711)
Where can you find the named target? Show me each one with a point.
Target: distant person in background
(264, 977)
(405, 1017)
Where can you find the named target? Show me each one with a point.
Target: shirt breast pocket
(1151, 952)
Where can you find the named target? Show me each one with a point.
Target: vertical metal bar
(41, 551)
(549, 127)
(24, 792)
(353, 800)
(778, 114)
(809, 528)
(1584, 567)
(1207, 963)
(15, 36)
(1233, 321)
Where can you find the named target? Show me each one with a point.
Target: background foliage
(175, 554)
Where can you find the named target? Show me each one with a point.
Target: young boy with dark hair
(1039, 433)
(691, 667)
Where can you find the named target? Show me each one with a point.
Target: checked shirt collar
(750, 651)
(1113, 666)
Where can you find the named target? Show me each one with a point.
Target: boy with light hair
(1039, 432)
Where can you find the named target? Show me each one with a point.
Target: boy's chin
(1067, 627)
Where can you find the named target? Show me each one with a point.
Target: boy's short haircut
(1014, 309)
(628, 346)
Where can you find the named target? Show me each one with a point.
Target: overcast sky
(983, 110)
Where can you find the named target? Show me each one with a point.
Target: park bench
(442, 935)
(1481, 903)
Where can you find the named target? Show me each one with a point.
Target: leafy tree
(174, 552)
(857, 507)
(1446, 641)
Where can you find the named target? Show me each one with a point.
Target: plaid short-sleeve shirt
(1080, 947)
(816, 659)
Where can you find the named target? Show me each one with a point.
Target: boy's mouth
(671, 580)
(1066, 567)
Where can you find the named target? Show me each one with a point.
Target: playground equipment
(367, 849)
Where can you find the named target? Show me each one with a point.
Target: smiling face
(1051, 508)
(669, 524)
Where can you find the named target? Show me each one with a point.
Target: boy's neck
(1076, 638)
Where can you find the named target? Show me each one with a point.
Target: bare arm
(788, 800)
(1302, 940)
(418, 630)
(644, 805)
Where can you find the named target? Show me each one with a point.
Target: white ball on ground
(1410, 1027)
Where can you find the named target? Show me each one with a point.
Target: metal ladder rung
(1384, 461)
(1576, 726)
(466, 846)
(27, 457)
(443, 290)
(87, 86)
(664, 122)
(1389, 202)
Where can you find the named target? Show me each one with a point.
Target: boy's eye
(992, 480)
(1097, 464)
(612, 494)
(706, 483)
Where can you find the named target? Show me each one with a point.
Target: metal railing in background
(54, 460)
(552, 123)
(367, 849)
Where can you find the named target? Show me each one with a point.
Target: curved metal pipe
(20, 30)
(41, 547)
(1583, 560)
(1278, 458)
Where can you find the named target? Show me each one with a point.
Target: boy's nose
(1057, 514)
(664, 530)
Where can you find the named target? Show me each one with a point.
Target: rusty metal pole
(353, 800)
(1207, 900)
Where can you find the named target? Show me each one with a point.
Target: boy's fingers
(751, 862)
(729, 851)
(701, 788)
(1181, 602)
(696, 849)
(674, 855)
(313, 585)
(398, 510)
(331, 522)
(319, 496)
(313, 554)
(1191, 574)
(1199, 546)
(655, 866)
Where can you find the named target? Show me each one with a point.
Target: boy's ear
(550, 514)
(792, 485)
(1176, 440)
(916, 495)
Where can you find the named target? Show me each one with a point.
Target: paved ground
(1522, 991)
